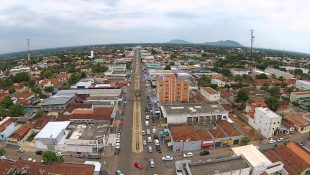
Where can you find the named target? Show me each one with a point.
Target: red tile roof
(187, 132)
(37, 168)
(270, 81)
(299, 151)
(210, 90)
(274, 157)
(297, 120)
(24, 94)
(217, 133)
(228, 128)
(100, 113)
(22, 131)
(74, 106)
(42, 121)
(6, 123)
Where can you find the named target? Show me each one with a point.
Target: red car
(138, 165)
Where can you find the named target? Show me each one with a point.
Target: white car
(144, 142)
(271, 141)
(147, 117)
(59, 154)
(118, 135)
(156, 142)
(148, 131)
(117, 145)
(143, 132)
(154, 131)
(118, 140)
(189, 154)
(167, 158)
(280, 139)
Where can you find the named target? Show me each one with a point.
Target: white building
(302, 85)
(83, 84)
(96, 164)
(7, 127)
(189, 113)
(118, 67)
(258, 161)
(299, 96)
(19, 69)
(278, 73)
(218, 82)
(240, 71)
(210, 94)
(53, 134)
(265, 121)
(91, 54)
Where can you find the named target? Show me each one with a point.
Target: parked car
(149, 139)
(203, 153)
(143, 132)
(166, 158)
(155, 136)
(158, 148)
(189, 154)
(117, 145)
(117, 151)
(93, 156)
(138, 165)
(147, 117)
(280, 139)
(148, 131)
(154, 131)
(39, 152)
(20, 150)
(119, 172)
(80, 156)
(144, 142)
(149, 149)
(118, 140)
(59, 154)
(156, 142)
(271, 141)
(147, 123)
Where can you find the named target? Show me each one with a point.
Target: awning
(207, 143)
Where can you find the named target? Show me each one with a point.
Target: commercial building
(240, 71)
(58, 103)
(278, 73)
(218, 82)
(302, 85)
(83, 94)
(210, 94)
(20, 133)
(188, 113)
(265, 121)
(172, 89)
(7, 127)
(302, 98)
(258, 161)
(83, 84)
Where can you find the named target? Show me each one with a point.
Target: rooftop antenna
(29, 63)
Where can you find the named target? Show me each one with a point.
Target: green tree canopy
(12, 90)
(298, 72)
(46, 73)
(261, 76)
(274, 91)
(272, 103)
(2, 152)
(242, 96)
(49, 157)
(20, 77)
(49, 89)
(98, 68)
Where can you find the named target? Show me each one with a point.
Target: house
(83, 84)
(302, 98)
(25, 97)
(265, 121)
(20, 133)
(240, 71)
(188, 113)
(302, 85)
(41, 122)
(7, 127)
(301, 124)
(98, 114)
(218, 82)
(269, 81)
(210, 94)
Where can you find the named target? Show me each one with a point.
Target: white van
(156, 141)
(147, 123)
(154, 130)
(149, 139)
(147, 117)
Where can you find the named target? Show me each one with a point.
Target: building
(181, 113)
(278, 73)
(37, 168)
(210, 94)
(20, 133)
(172, 89)
(302, 85)
(7, 127)
(83, 94)
(83, 84)
(53, 134)
(302, 98)
(58, 103)
(240, 71)
(218, 82)
(118, 68)
(153, 65)
(265, 121)
(301, 124)
(258, 161)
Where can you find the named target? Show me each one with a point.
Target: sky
(277, 24)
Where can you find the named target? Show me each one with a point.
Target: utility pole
(29, 62)
(252, 41)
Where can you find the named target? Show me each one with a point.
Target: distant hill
(226, 43)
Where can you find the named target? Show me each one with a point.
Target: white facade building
(7, 127)
(265, 121)
(240, 72)
(210, 94)
(278, 73)
(302, 85)
(218, 82)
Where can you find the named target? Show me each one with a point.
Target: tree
(2, 152)
(272, 103)
(83, 75)
(242, 96)
(128, 66)
(46, 73)
(12, 90)
(17, 110)
(261, 76)
(20, 77)
(274, 91)
(49, 157)
(298, 72)
(98, 68)
(7, 102)
(37, 90)
(49, 89)
(39, 113)
(167, 67)
(226, 72)
(74, 78)
(245, 141)
(265, 87)
(214, 86)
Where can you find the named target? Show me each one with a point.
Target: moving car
(203, 153)
(138, 165)
(167, 158)
(189, 154)
(152, 163)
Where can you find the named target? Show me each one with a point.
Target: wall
(188, 146)
(8, 131)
